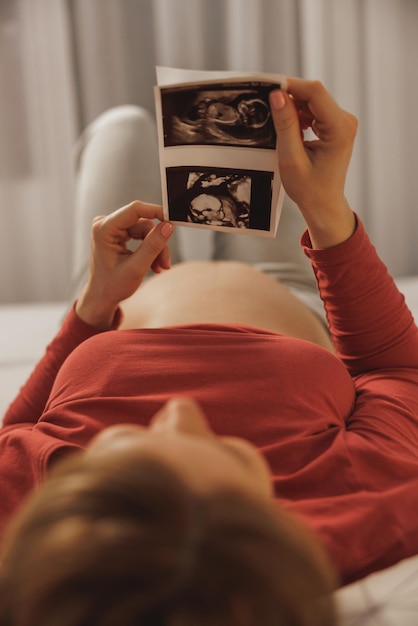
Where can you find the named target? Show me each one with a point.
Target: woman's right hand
(314, 172)
(115, 271)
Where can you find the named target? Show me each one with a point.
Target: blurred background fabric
(63, 62)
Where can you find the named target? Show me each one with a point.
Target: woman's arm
(30, 402)
(115, 273)
(314, 172)
(371, 326)
(370, 323)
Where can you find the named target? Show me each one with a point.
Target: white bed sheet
(25, 331)
(388, 598)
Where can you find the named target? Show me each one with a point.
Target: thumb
(154, 246)
(287, 126)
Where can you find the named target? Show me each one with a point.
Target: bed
(387, 598)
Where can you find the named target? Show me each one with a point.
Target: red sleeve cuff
(85, 330)
(337, 253)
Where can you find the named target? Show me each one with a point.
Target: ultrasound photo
(235, 116)
(219, 197)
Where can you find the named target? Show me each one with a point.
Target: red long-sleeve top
(340, 433)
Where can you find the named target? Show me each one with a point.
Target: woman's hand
(115, 271)
(314, 172)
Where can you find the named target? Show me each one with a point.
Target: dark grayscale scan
(219, 197)
(238, 116)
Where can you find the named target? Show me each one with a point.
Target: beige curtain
(365, 51)
(65, 61)
(37, 127)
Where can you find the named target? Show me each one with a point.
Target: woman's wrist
(94, 313)
(328, 229)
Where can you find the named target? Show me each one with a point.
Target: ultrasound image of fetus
(219, 200)
(235, 118)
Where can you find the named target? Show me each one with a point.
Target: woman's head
(122, 536)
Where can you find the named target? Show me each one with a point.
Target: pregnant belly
(221, 292)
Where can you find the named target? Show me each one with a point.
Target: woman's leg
(280, 258)
(116, 162)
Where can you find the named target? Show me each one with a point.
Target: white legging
(117, 162)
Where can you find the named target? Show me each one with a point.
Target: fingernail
(167, 229)
(277, 99)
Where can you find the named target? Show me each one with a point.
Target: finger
(141, 229)
(316, 98)
(98, 218)
(153, 250)
(288, 129)
(330, 122)
(128, 216)
(163, 261)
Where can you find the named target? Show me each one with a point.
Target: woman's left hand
(314, 172)
(115, 271)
